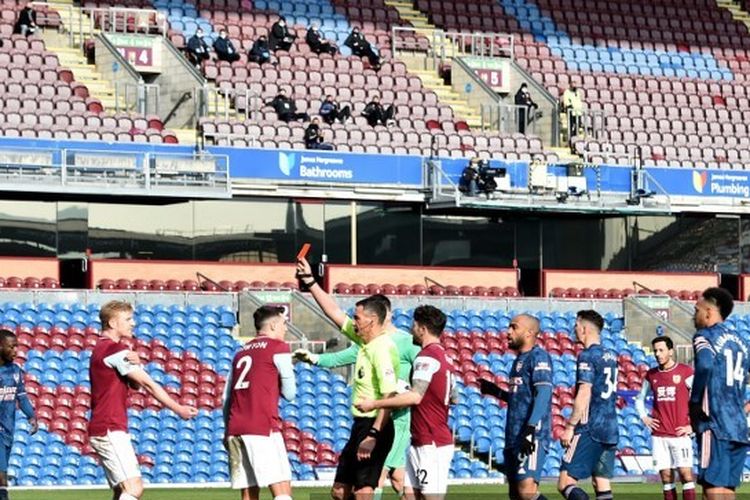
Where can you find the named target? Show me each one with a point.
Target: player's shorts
(586, 457)
(517, 469)
(363, 473)
(258, 461)
(721, 462)
(396, 458)
(4, 456)
(427, 468)
(116, 452)
(672, 452)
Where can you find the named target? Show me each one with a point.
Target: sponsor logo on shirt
(676, 379)
(542, 365)
(8, 393)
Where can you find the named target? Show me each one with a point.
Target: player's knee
(133, 488)
(338, 492)
(3, 479)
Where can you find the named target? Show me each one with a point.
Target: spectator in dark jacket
(376, 114)
(330, 111)
(260, 52)
(26, 22)
(314, 137)
(362, 48)
(317, 43)
(527, 110)
(224, 48)
(197, 48)
(280, 38)
(285, 108)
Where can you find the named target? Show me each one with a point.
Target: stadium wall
(552, 279)
(463, 276)
(39, 267)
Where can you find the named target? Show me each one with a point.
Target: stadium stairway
(737, 12)
(421, 66)
(73, 57)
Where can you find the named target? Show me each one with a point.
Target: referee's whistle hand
(365, 448)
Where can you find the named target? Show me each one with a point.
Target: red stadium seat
(140, 284)
(342, 288)
(106, 284)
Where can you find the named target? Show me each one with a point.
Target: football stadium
(493, 247)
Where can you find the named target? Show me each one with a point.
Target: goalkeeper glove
(306, 356)
(528, 441)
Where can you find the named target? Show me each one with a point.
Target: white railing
(508, 118)
(444, 45)
(82, 23)
(226, 103)
(142, 98)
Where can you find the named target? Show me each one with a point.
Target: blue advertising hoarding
(323, 167)
(327, 167)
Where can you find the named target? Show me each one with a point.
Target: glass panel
(28, 228)
(388, 234)
(468, 241)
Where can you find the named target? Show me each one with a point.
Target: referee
(375, 377)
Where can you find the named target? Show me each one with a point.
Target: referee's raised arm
(325, 301)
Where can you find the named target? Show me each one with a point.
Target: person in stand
(317, 43)
(281, 38)
(197, 49)
(527, 108)
(572, 106)
(26, 22)
(285, 108)
(362, 48)
(330, 111)
(259, 52)
(224, 48)
(314, 136)
(376, 114)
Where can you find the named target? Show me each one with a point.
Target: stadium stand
(421, 116)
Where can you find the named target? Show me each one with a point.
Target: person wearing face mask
(527, 110)
(197, 48)
(330, 111)
(224, 48)
(285, 108)
(260, 53)
(362, 48)
(317, 43)
(280, 38)
(376, 114)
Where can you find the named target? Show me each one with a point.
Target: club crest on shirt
(16, 377)
(676, 379)
(361, 372)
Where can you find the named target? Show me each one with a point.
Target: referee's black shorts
(363, 473)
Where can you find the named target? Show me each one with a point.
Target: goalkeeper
(396, 460)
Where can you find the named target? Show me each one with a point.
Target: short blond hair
(110, 309)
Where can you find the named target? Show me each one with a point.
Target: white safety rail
(443, 45)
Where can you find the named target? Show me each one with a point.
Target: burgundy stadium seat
(106, 284)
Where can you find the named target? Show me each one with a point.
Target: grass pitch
(636, 491)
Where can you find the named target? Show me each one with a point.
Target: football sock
(377, 494)
(688, 491)
(670, 492)
(604, 495)
(3, 493)
(573, 492)
(282, 497)
(127, 496)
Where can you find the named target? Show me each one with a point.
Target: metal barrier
(225, 103)
(82, 23)
(221, 139)
(508, 118)
(442, 45)
(142, 98)
(587, 123)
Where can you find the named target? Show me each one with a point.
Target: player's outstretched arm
(408, 398)
(344, 357)
(283, 362)
(144, 380)
(325, 301)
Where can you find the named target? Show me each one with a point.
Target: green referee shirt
(407, 353)
(375, 368)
